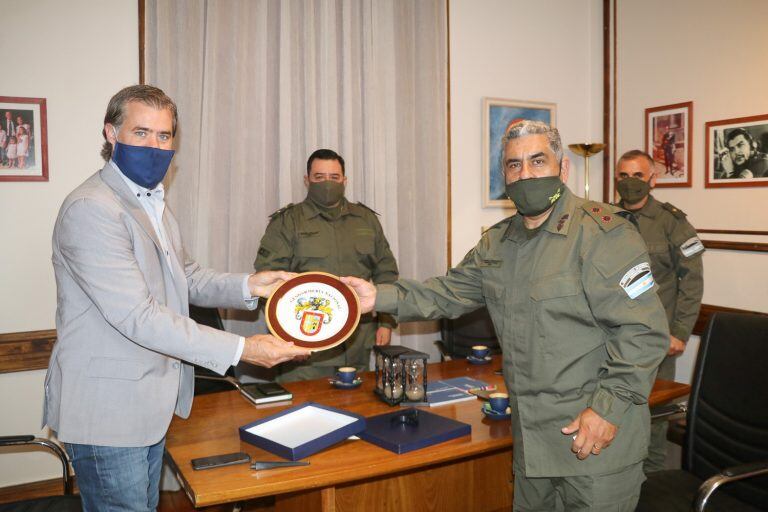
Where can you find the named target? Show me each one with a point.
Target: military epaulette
(503, 223)
(628, 216)
(677, 212)
(368, 208)
(281, 210)
(604, 215)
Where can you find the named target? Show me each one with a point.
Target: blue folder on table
(397, 432)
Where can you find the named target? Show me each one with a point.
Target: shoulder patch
(604, 215)
(281, 210)
(691, 246)
(368, 208)
(637, 280)
(677, 212)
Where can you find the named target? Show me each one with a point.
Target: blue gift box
(410, 429)
(302, 430)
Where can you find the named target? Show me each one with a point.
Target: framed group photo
(668, 131)
(736, 152)
(23, 139)
(498, 114)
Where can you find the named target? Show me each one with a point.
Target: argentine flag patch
(637, 280)
(691, 247)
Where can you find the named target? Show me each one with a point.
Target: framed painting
(498, 114)
(23, 139)
(668, 132)
(736, 152)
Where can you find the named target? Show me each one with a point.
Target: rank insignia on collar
(606, 218)
(596, 209)
(561, 221)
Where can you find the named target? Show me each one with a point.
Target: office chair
(207, 381)
(726, 441)
(460, 334)
(66, 503)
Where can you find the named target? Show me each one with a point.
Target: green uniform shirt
(580, 326)
(675, 253)
(345, 241)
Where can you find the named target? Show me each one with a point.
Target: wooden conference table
(469, 473)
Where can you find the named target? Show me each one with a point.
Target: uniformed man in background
(675, 251)
(327, 233)
(568, 286)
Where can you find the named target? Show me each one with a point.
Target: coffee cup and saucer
(497, 407)
(346, 378)
(481, 354)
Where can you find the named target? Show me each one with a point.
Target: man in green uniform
(675, 253)
(327, 233)
(569, 289)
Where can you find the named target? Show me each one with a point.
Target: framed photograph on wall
(736, 152)
(498, 114)
(668, 131)
(23, 139)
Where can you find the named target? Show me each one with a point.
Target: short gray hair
(635, 154)
(524, 127)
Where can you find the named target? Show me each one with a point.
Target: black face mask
(534, 196)
(633, 190)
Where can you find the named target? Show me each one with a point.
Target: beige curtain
(260, 84)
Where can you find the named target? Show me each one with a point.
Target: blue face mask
(143, 165)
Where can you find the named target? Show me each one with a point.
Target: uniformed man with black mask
(675, 251)
(569, 288)
(327, 233)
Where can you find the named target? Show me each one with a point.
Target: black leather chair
(460, 334)
(726, 441)
(65, 503)
(207, 381)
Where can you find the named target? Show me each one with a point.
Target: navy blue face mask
(143, 165)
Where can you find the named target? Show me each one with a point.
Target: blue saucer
(343, 385)
(490, 413)
(474, 360)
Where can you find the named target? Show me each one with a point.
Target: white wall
(537, 51)
(701, 51)
(76, 54)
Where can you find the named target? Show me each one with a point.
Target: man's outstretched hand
(366, 292)
(262, 284)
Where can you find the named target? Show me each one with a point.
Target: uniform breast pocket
(312, 248)
(494, 295)
(660, 256)
(562, 313)
(364, 245)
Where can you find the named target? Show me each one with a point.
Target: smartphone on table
(217, 461)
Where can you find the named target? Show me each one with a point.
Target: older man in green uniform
(327, 233)
(675, 252)
(569, 289)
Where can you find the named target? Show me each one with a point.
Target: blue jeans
(117, 479)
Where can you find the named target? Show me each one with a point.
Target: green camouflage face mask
(633, 190)
(534, 196)
(326, 193)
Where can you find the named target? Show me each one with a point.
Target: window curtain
(260, 84)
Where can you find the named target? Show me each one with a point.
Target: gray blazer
(116, 374)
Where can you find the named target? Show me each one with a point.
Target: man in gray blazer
(119, 371)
